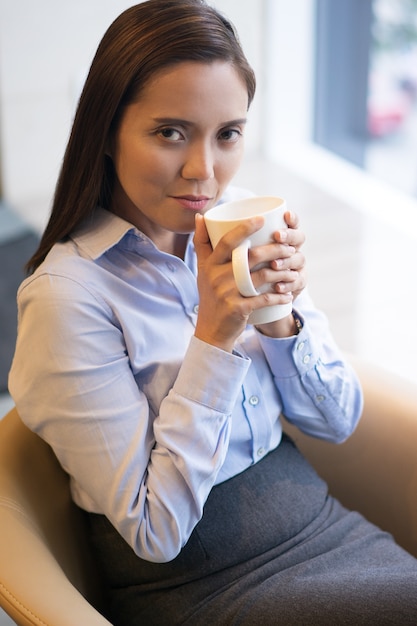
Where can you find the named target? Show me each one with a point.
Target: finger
(287, 286)
(291, 262)
(294, 285)
(292, 220)
(290, 236)
(267, 276)
(269, 253)
(235, 237)
(201, 238)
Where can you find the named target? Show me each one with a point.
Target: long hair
(141, 41)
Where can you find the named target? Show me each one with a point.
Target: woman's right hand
(223, 311)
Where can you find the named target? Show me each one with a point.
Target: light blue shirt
(145, 417)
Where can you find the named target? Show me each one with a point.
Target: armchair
(47, 575)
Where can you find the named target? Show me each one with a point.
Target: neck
(177, 246)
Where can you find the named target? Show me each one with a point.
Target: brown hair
(142, 40)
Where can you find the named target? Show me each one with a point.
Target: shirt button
(254, 400)
(320, 398)
(196, 309)
(306, 359)
(261, 451)
(301, 345)
(170, 266)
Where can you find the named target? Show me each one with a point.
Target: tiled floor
(5, 619)
(6, 404)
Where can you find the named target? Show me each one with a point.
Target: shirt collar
(100, 232)
(103, 229)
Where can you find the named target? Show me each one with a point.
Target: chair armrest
(45, 569)
(375, 470)
(41, 594)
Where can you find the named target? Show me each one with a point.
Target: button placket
(254, 400)
(301, 347)
(184, 281)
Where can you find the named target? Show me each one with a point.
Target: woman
(158, 398)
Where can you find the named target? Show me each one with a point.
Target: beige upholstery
(45, 569)
(375, 470)
(43, 553)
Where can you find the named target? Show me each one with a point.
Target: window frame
(342, 60)
(288, 121)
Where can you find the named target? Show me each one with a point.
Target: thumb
(201, 238)
(291, 219)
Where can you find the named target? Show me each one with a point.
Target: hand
(293, 266)
(223, 311)
(293, 274)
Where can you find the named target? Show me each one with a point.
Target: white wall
(45, 50)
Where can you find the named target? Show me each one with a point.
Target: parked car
(390, 101)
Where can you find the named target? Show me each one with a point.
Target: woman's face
(178, 147)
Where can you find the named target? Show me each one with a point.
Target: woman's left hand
(294, 280)
(293, 274)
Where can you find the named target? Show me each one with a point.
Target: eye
(170, 134)
(230, 135)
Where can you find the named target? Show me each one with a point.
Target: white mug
(223, 217)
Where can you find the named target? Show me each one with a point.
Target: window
(366, 86)
(319, 53)
(391, 150)
(343, 33)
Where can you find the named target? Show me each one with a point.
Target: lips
(193, 203)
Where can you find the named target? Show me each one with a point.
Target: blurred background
(333, 129)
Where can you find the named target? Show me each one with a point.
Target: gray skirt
(272, 548)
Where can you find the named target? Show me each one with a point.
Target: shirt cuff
(211, 376)
(290, 356)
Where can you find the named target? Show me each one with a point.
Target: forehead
(193, 85)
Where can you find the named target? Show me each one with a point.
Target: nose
(199, 162)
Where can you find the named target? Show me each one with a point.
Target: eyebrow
(177, 120)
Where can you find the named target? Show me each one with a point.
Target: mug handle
(241, 270)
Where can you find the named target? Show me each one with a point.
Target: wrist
(298, 322)
(288, 326)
